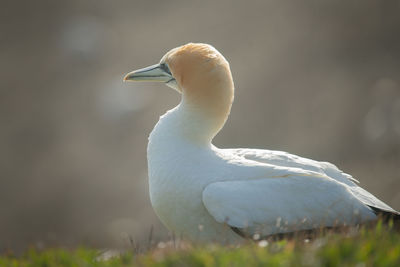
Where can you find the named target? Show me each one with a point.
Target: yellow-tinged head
(200, 73)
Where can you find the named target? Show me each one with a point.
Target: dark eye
(165, 68)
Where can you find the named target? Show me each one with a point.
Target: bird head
(194, 69)
(200, 73)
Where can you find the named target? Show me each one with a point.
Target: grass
(379, 246)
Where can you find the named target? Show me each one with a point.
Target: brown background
(316, 78)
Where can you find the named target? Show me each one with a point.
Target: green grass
(377, 247)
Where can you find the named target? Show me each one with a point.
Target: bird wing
(284, 159)
(284, 204)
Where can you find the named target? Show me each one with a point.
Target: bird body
(205, 193)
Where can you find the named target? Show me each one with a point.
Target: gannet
(205, 193)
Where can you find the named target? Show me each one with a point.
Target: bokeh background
(316, 78)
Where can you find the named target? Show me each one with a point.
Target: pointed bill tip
(126, 78)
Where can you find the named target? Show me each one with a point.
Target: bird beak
(154, 73)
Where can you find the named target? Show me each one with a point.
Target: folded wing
(284, 159)
(280, 205)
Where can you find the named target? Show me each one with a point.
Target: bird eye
(165, 68)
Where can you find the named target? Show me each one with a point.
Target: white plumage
(205, 193)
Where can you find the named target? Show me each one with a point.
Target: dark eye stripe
(165, 68)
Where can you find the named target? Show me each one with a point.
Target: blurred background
(316, 78)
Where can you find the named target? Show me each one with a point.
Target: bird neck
(203, 115)
(187, 127)
(189, 124)
(206, 103)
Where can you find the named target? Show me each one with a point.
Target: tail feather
(386, 215)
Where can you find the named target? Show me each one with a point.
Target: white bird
(205, 193)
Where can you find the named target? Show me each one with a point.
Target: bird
(208, 194)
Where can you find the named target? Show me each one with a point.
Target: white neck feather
(187, 123)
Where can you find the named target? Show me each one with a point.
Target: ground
(377, 246)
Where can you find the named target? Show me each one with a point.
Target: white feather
(200, 191)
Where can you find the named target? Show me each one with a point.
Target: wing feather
(284, 159)
(268, 206)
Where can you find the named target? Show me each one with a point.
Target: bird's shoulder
(291, 162)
